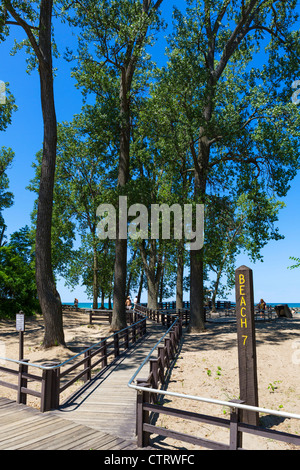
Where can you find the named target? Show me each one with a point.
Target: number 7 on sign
(245, 337)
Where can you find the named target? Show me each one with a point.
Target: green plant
(273, 386)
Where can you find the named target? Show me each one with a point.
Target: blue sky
(272, 279)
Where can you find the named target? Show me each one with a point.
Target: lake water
(90, 304)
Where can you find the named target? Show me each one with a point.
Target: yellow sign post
(246, 342)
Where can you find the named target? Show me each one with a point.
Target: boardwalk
(107, 404)
(25, 428)
(102, 417)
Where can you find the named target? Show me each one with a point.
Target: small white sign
(20, 322)
(2, 93)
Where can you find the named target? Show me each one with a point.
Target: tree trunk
(119, 296)
(95, 276)
(140, 287)
(152, 293)
(102, 299)
(179, 277)
(197, 310)
(215, 291)
(130, 276)
(161, 287)
(153, 272)
(49, 298)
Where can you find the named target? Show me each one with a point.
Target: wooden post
(50, 388)
(20, 327)
(236, 436)
(168, 350)
(154, 370)
(104, 353)
(126, 340)
(87, 366)
(22, 383)
(116, 345)
(142, 417)
(246, 342)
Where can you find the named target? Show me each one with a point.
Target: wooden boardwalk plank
(103, 417)
(108, 404)
(33, 430)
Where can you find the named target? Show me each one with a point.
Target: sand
(207, 366)
(79, 335)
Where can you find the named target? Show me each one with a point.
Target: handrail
(202, 399)
(56, 366)
(149, 355)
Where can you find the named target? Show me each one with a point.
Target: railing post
(22, 383)
(154, 370)
(104, 353)
(126, 341)
(133, 333)
(87, 365)
(116, 345)
(173, 342)
(236, 437)
(168, 350)
(50, 388)
(142, 417)
(161, 354)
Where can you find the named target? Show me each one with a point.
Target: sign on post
(246, 342)
(20, 327)
(20, 321)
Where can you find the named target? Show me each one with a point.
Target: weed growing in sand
(274, 386)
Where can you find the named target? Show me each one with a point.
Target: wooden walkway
(102, 417)
(107, 404)
(25, 428)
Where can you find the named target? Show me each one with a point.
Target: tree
(6, 197)
(82, 178)
(81, 183)
(113, 40)
(235, 113)
(17, 279)
(234, 224)
(36, 20)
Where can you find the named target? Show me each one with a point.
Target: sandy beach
(207, 366)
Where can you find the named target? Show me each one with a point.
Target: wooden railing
(98, 314)
(53, 379)
(165, 318)
(149, 391)
(147, 410)
(106, 315)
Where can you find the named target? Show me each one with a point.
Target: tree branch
(27, 28)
